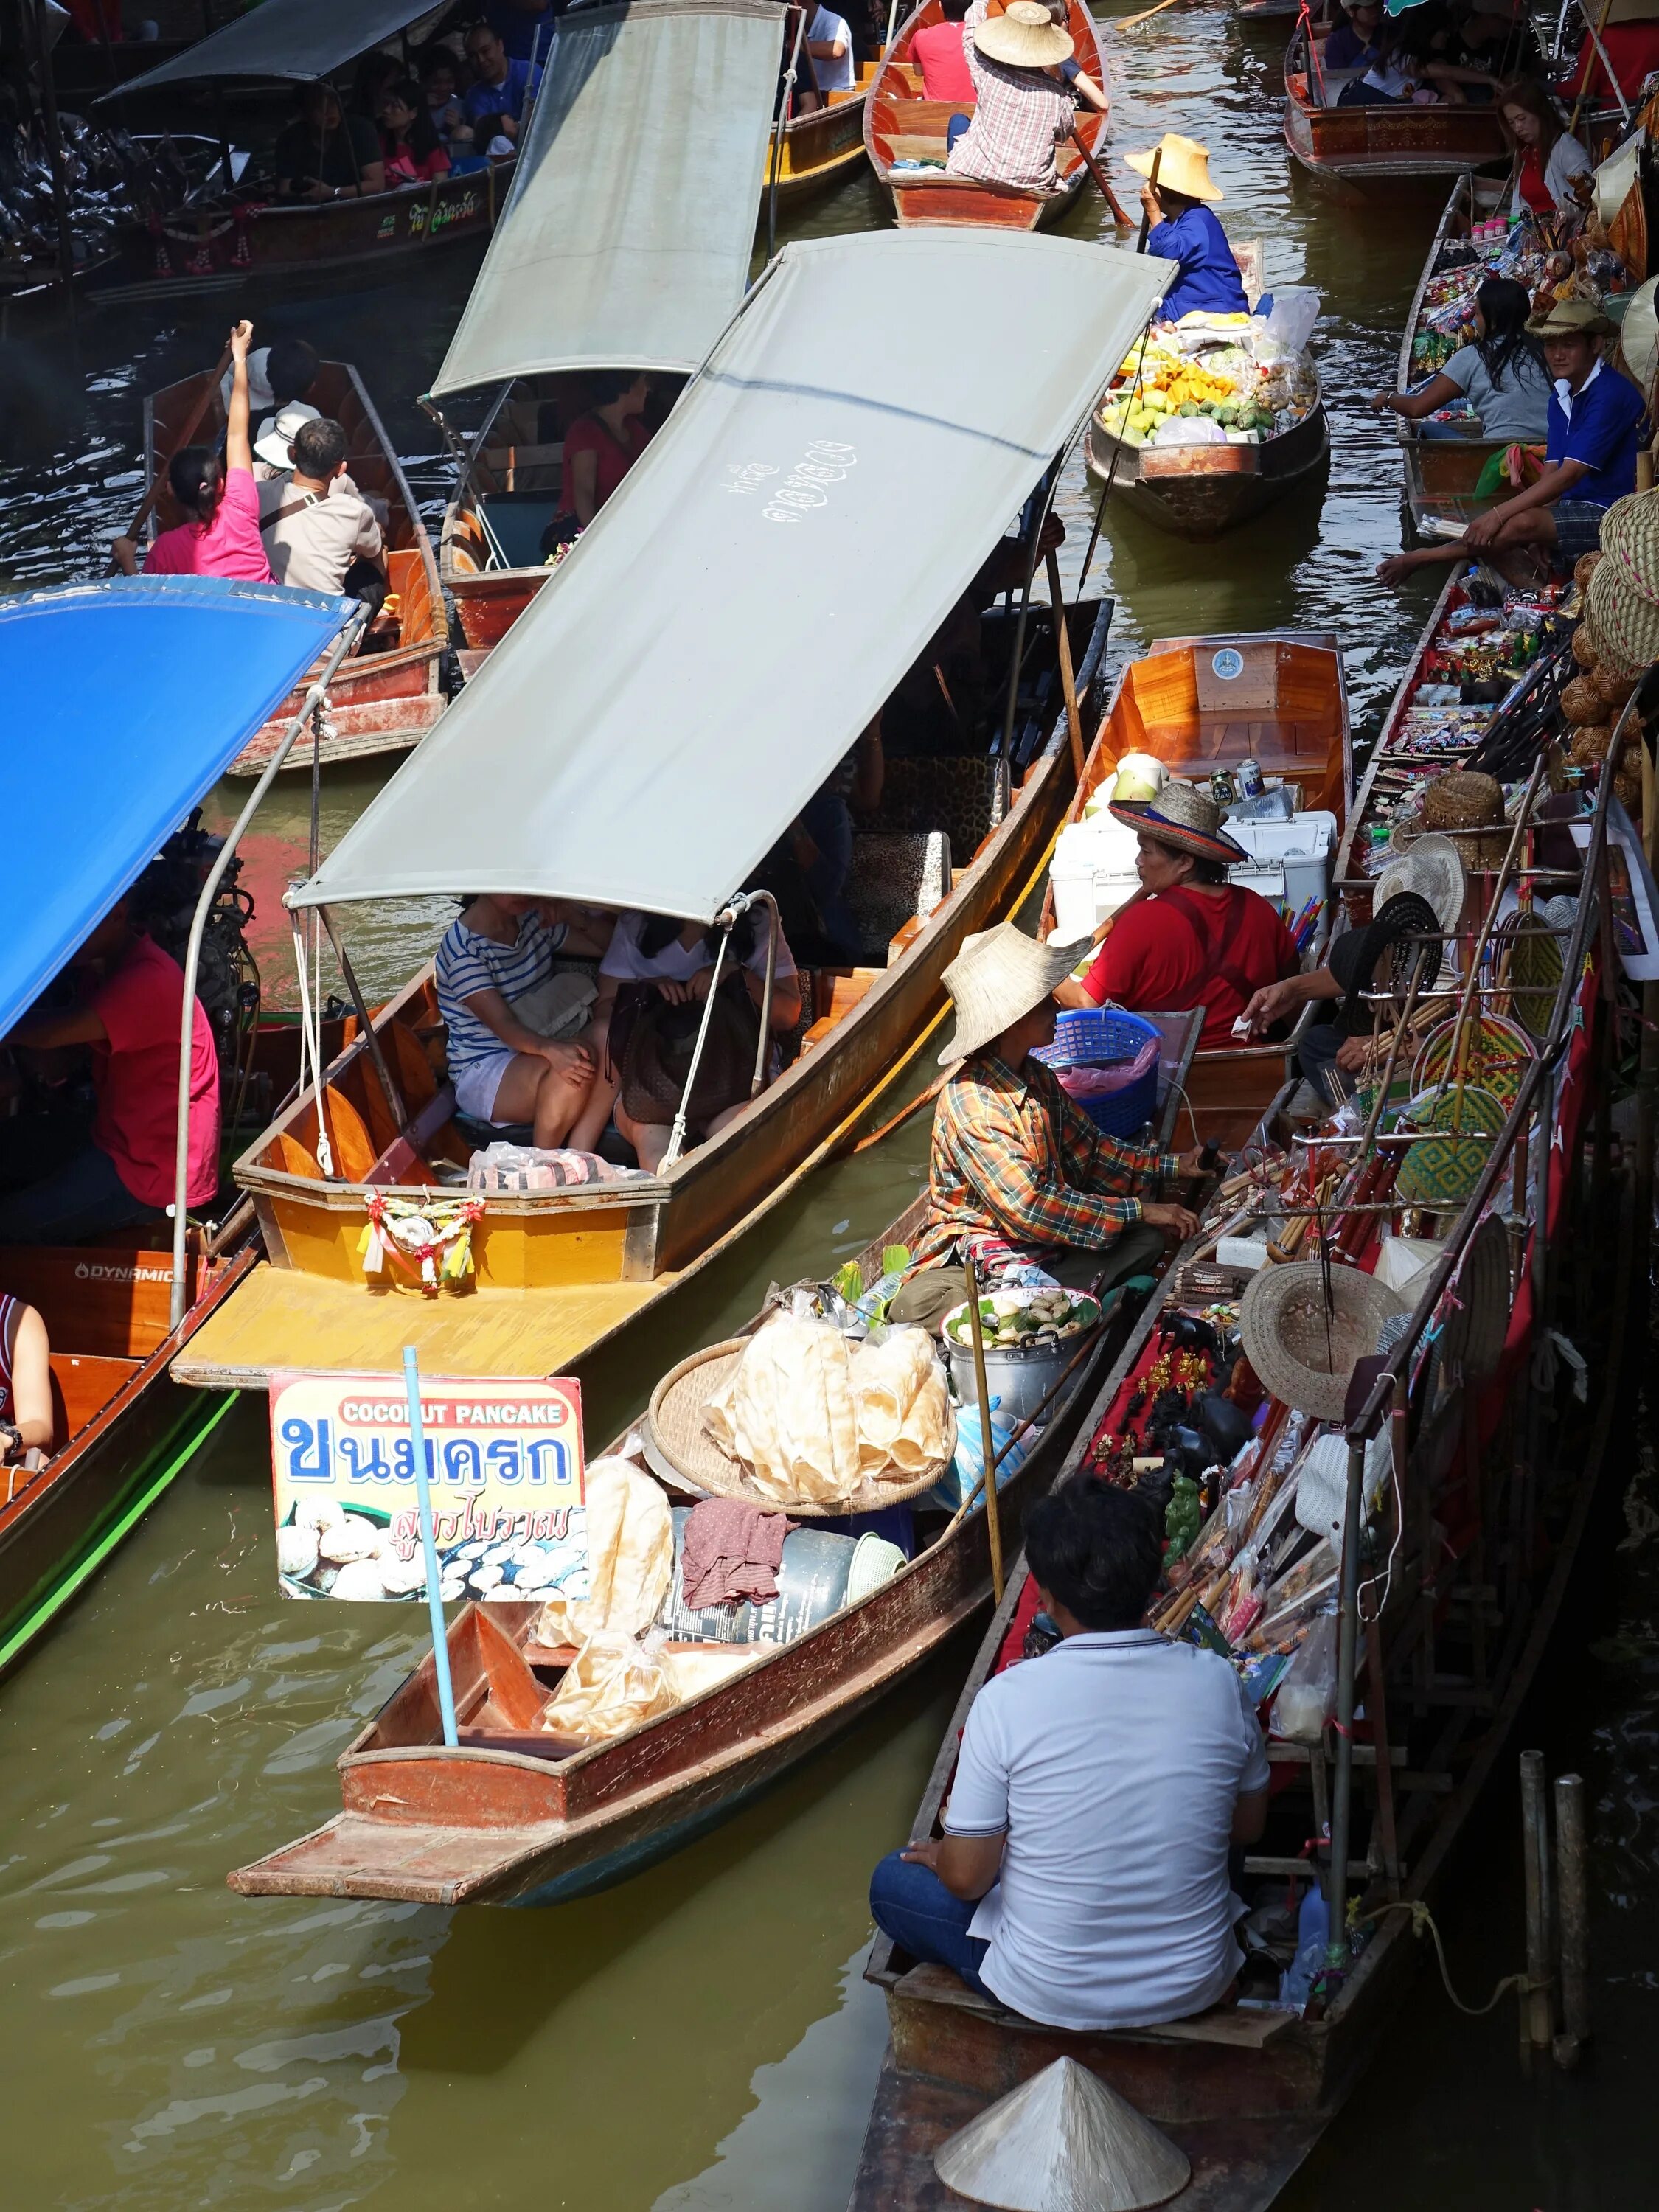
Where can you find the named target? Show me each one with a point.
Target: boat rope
(1422, 1919)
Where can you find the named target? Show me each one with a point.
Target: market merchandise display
(1209, 379)
(1530, 253)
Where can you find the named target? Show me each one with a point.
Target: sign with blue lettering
(504, 1464)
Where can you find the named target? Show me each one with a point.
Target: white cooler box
(1290, 861)
(1093, 873)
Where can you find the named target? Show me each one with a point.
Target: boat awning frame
(299, 40)
(871, 421)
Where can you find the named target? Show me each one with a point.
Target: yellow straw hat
(1183, 164)
(1024, 36)
(996, 979)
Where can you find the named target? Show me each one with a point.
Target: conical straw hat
(1183, 164)
(1062, 2143)
(1024, 36)
(996, 979)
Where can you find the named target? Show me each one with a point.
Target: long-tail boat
(1281, 700)
(1393, 140)
(676, 210)
(902, 128)
(387, 697)
(819, 147)
(772, 494)
(1480, 1485)
(140, 690)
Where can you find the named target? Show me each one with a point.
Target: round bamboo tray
(675, 1431)
(1496, 1056)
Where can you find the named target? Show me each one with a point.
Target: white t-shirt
(1113, 1763)
(677, 963)
(825, 29)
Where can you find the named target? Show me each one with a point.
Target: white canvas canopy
(626, 240)
(298, 38)
(737, 613)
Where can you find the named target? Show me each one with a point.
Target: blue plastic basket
(1091, 1036)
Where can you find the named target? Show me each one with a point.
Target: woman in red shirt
(414, 152)
(1188, 937)
(600, 447)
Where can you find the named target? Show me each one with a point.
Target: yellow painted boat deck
(280, 1318)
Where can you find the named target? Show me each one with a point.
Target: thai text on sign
(504, 1468)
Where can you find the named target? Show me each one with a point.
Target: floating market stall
(1358, 144)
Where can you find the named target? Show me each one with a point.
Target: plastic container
(1313, 1929)
(1289, 861)
(1091, 1036)
(1093, 874)
(813, 1582)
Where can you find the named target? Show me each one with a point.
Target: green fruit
(1189, 408)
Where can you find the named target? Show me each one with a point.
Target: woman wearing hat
(1016, 1169)
(1596, 428)
(1027, 89)
(1177, 198)
(1188, 937)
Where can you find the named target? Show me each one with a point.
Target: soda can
(1250, 785)
(1221, 787)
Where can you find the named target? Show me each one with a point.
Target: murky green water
(698, 2040)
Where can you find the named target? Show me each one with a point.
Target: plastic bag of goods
(969, 1465)
(1296, 312)
(1307, 1696)
(1189, 430)
(787, 1411)
(902, 1410)
(630, 1545)
(613, 1683)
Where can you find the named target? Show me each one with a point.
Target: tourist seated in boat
(1081, 1878)
(600, 448)
(524, 28)
(278, 376)
(1499, 370)
(1404, 70)
(413, 152)
(26, 1419)
(654, 980)
(1188, 937)
(1552, 171)
(1025, 106)
(320, 533)
(325, 153)
(1016, 1170)
(493, 103)
(818, 844)
(1633, 50)
(519, 1047)
(827, 38)
(1351, 43)
(1184, 230)
(440, 98)
(1597, 424)
(220, 534)
(119, 1171)
(938, 52)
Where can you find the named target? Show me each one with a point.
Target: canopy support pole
(394, 1098)
(676, 1135)
(343, 645)
(786, 101)
(766, 899)
(1041, 500)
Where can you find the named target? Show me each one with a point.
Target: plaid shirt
(1020, 117)
(1015, 1162)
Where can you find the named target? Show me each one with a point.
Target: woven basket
(1468, 808)
(1297, 1356)
(1496, 1055)
(675, 1431)
(1536, 964)
(1444, 1166)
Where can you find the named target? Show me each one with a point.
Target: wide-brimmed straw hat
(1302, 1353)
(1186, 819)
(274, 443)
(1183, 164)
(1622, 598)
(1571, 319)
(1431, 867)
(995, 981)
(1024, 36)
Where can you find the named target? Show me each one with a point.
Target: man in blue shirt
(1185, 231)
(495, 103)
(1596, 428)
(524, 28)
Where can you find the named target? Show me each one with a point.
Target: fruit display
(1206, 380)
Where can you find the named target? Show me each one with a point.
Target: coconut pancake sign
(504, 1466)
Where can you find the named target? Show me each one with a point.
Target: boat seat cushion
(892, 880)
(951, 792)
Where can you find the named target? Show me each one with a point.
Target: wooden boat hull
(1360, 145)
(1440, 474)
(487, 605)
(302, 247)
(1199, 491)
(379, 701)
(820, 150)
(900, 123)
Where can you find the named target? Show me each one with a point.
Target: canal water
(698, 2039)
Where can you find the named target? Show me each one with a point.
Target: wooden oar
(1145, 212)
(1145, 16)
(1099, 176)
(190, 430)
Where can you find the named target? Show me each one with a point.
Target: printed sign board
(504, 1465)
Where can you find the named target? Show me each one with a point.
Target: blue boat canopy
(125, 701)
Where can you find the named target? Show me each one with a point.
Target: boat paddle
(160, 477)
(1110, 197)
(1145, 212)
(1146, 16)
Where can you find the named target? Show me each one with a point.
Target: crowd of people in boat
(1457, 52)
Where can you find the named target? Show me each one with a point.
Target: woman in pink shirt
(222, 536)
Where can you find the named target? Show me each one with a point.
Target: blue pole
(429, 1546)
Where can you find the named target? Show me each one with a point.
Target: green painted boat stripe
(90, 1561)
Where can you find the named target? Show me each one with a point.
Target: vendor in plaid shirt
(1018, 1171)
(1028, 88)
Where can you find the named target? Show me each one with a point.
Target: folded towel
(732, 1551)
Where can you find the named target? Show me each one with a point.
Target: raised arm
(239, 446)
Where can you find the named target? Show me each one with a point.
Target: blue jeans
(85, 1197)
(911, 1904)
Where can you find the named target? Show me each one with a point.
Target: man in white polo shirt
(1082, 1876)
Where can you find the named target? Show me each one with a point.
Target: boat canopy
(626, 240)
(126, 701)
(741, 608)
(297, 38)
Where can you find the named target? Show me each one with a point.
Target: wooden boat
(817, 150)
(1441, 473)
(1358, 144)
(1199, 491)
(1247, 2092)
(510, 1817)
(389, 695)
(900, 125)
(1287, 707)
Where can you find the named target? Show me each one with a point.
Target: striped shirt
(469, 963)
(1015, 1162)
(1020, 116)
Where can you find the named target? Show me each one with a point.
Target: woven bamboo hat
(1062, 2140)
(1300, 1355)
(1184, 818)
(1468, 808)
(1024, 36)
(1431, 867)
(1183, 164)
(996, 979)
(1571, 319)
(1622, 598)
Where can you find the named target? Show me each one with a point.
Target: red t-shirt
(1181, 949)
(587, 434)
(402, 168)
(1533, 190)
(230, 546)
(135, 1077)
(938, 54)
(1633, 49)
